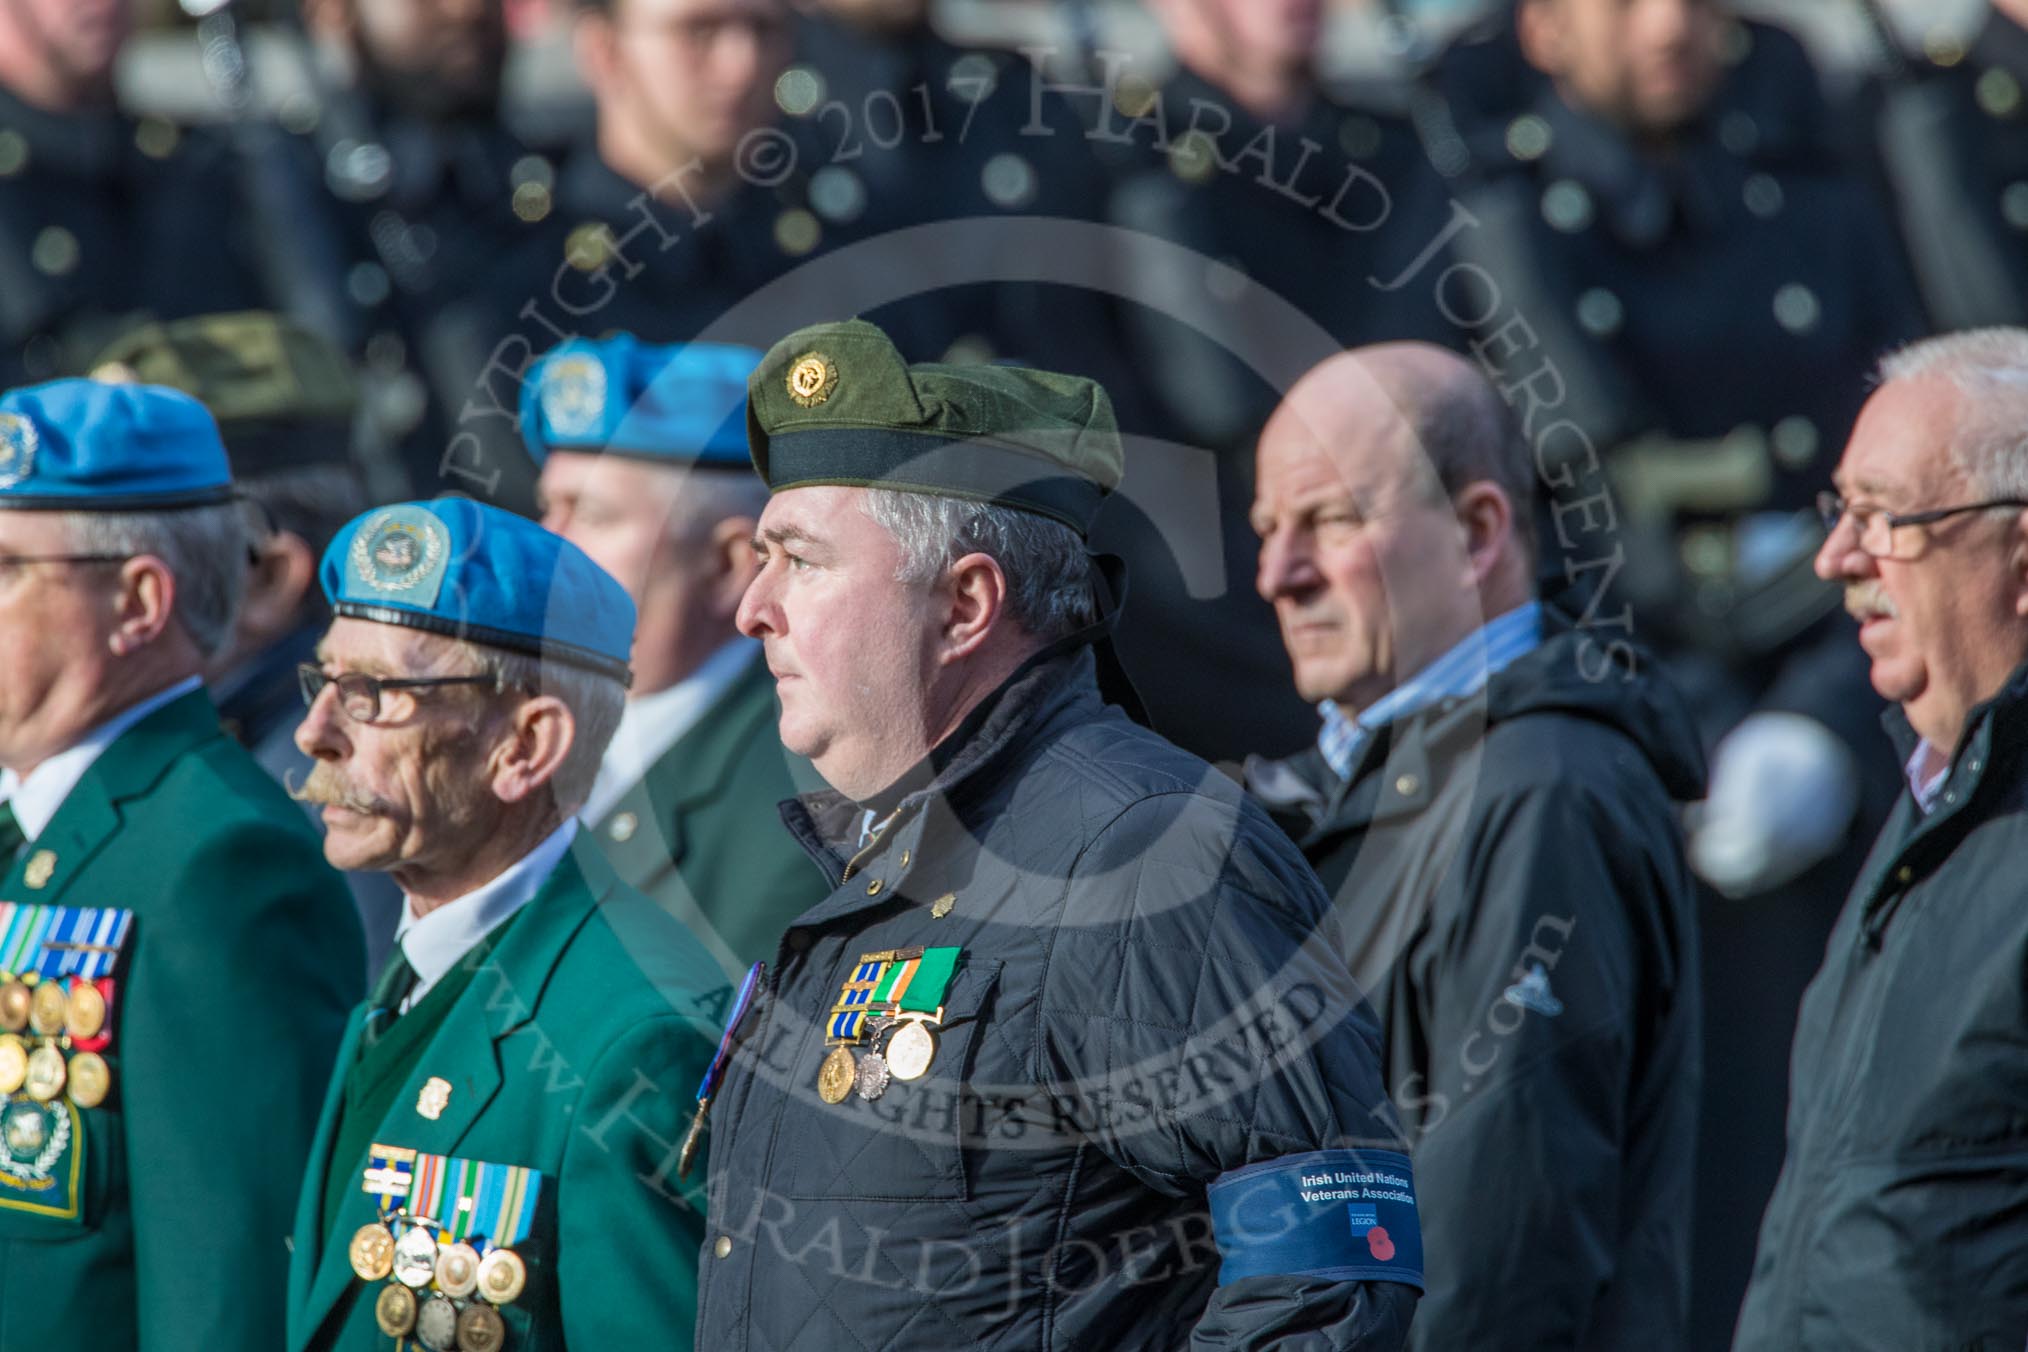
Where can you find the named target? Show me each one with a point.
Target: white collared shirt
(36, 798)
(651, 724)
(1925, 789)
(434, 943)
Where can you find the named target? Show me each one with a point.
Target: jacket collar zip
(962, 768)
(1931, 835)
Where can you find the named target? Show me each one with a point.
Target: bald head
(1424, 407)
(1393, 502)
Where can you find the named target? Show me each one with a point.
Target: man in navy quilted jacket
(1066, 1058)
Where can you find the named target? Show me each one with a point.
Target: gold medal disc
(415, 1258)
(910, 1050)
(395, 1310)
(372, 1255)
(45, 1074)
(91, 1079)
(872, 1075)
(85, 1011)
(480, 1329)
(13, 1063)
(14, 1003)
(457, 1270)
(436, 1323)
(502, 1275)
(838, 1074)
(47, 1009)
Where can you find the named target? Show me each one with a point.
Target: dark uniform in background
(1952, 128)
(1318, 215)
(106, 219)
(1703, 321)
(426, 189)
(915, 130)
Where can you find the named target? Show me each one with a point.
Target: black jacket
(1511, 882)
(1141, 1006)
(1899, 1221)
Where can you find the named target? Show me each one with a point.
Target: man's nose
(1284, 566)
(756, 608)
(319, 735)
(1840, 556)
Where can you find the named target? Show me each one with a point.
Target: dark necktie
(383, 1003)
(12, 837)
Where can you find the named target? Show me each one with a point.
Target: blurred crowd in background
(1678, 238)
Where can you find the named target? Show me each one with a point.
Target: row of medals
(449, 1317)
(43, 1009)
(902, 1048)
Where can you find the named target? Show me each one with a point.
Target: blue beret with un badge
(681, 403)
(468, 571)
(83, 445)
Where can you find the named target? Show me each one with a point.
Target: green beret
(282, 395)
(836, 404)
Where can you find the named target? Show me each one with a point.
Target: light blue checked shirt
(1464, 670)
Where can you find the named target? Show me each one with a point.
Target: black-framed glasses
(1876, 526)
(359, 694)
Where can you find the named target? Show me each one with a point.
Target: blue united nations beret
(468, 571)
(683, 403)
(82, 445)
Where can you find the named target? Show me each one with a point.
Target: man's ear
(592, 46)
(2018, 561)
(283, 570)
(975, 591)
(143, 603)
(540, 734)
(1539, 30)
(730, 564)
(1486, 520)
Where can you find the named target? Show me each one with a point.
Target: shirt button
(906, 856)
(724, 1246)
(1903, 874)
(623, 827)
(1407, 785)
(873, 888)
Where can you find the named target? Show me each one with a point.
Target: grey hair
(1049, 585)
(595, 701)
(1471, 436)
(205, 549)
(1989, 370)
(706, 497)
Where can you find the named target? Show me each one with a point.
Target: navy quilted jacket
(1148, 997)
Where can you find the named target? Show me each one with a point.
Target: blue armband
(1344, 1215)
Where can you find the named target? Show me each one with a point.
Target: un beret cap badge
(401, 553)
(812, 378)
(17, 449)
(573, 396)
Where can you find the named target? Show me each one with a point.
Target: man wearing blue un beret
(644, 465)
(176, 959)
(497, 1160)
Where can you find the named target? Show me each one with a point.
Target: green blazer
(577, 1051)
(702, 832)
(231, 995)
